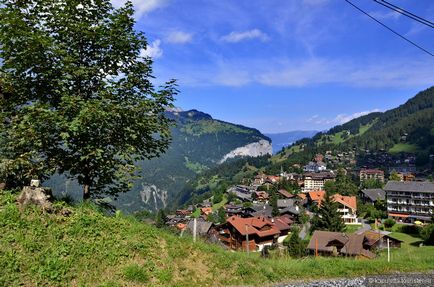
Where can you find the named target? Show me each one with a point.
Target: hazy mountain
(281, 140)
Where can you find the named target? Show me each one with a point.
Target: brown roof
(282, 223)
(321, 239)
(285, 193)
(352, 244)
(372, 237)
(302, 195)
(253, 225)
(371, 171)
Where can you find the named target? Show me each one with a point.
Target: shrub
(410, 229)
(427, 234)
(389, 223)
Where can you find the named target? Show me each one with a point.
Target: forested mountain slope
(199, 143)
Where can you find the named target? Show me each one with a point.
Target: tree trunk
(86, 192)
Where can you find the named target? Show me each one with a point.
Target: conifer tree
(328, 217)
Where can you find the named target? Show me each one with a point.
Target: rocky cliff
(260, 148)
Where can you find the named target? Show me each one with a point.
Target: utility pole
(388, 250)
(194, 229)
(316, 247)
(247, 239)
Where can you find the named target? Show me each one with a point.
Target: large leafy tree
(81, 98)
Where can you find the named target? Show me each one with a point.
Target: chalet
(241, 192)
(205, 211)
(375, 174)
(372, 195)
(283, 223)
(319, 157)
(272, 179)
(259, 179)
(202, 227)
(285, 194)
(336, 243)
(315, 167)
(248, 233)
(406, 176)
(184, 212)
(260, 196)
(316, 181)
(231, 209)
(315, 197)
(378, 240)
(347, 207)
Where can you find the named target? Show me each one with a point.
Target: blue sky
(280, 65)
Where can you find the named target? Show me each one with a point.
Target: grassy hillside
(87, 248)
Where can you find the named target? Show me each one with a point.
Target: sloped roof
(410, 186)
(373, 236)
(253, 225)
(321, 239)
(202, 226)
(317, 196)
(372, 171)
(285, 193)
(352, 244)
(375, 194)
(349, 201)
(282, 203)
(282, 223)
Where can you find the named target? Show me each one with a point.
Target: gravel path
(394, 280)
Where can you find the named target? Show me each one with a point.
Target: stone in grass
(36, 195)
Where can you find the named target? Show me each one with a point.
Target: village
(262, 215)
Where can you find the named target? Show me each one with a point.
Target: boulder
(2, 186)
(37, 196)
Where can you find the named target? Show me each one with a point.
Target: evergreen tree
(160, 219)
(273, 202)
(296, 246)
(328, 217)
(221, 215)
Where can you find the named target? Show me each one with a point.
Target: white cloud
(179, 37)
(142, 6)
(153, 50)
(339, 119)
(385, 15)
(235, 37)
(371, 73)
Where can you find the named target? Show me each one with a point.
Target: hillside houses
(252, 233)
(371, 174)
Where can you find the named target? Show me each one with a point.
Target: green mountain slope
(199, 143)
(407, 128)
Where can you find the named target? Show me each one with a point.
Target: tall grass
(88, 248)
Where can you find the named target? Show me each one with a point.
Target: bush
(410, 229)
(389, 223)
(427, 234)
